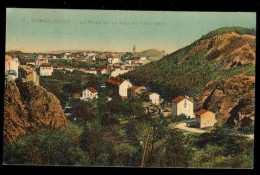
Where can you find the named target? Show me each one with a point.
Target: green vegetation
(103, 135)
(47, 147)
(63, 83)
(186, 78)
(120, 133)
(151, 54)
(220, 149)
(178, 118)
(181, 73)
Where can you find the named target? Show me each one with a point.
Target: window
(185, 104)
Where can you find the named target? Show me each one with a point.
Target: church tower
(134, 49)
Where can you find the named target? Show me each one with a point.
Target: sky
(44, 30)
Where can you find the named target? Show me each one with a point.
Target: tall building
(134, 49)
(11, 66)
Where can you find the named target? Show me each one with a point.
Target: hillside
(152, 54)
(217, 56)
(28, 107)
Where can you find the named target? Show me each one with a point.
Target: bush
(47, 147)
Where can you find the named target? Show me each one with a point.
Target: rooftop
(115, 81)
(200, 112)
(93, 90)
(46, 65)
(178, 99)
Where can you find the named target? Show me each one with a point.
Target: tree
(47, 147)
(178, 154)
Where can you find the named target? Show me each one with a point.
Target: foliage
(61, 84)
(179, 118)
(178, 73)
(47, 147)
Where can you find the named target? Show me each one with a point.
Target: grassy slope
(170, 79)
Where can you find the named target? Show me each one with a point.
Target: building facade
(119, 85)
(135, 91)
(113, 60)
(154, 97)
(41, 60)
(46, 70)
(205, 118)
(183, 105)
(11, 66)
(89, 93)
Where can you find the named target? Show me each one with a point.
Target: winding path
(182, 126)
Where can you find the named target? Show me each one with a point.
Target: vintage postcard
(129, 88)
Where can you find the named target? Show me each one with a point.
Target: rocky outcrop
(29, 107)
(231, 49)
(232, 100)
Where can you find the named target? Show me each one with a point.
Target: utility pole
(145, 147)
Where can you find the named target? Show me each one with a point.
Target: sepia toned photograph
(122, 88)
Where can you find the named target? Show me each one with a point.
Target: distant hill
(219, 55)
(152, 54)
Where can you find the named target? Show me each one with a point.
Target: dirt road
(182, 126)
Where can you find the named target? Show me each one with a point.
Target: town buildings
(46, 69)
(89, 93)
(41, 60)
(118, 72)
(135, 91)
(101, 71)
(119, 85)
(113, 58)
(183, 105)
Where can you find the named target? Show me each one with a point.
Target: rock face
(231, 49)
(28, 107)
(232, 100)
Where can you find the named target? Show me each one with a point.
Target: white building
(101, 70)
(142, 58)
(89, 93)
(205, 118)
(41, 60)
(183, 105)
(129, 62)
(46, 70)
(117, 72)
(154, 97)
(11, 66)
(65, 57)
(113, 60)
(91, 71)
(123, 88)
(120, 85)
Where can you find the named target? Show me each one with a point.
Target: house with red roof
(101, 70)
(136, 91)
(113, 58)
(183, 105)
(119, 85)
(205, 118)
(89, 93)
